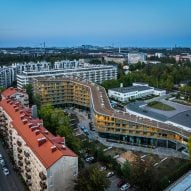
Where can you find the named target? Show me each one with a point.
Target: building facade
(7, 76)
(94, 73)
(134, 58)
(111, 124)
(43, 160)
(126, 94)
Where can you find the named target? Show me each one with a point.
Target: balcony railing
(43, 185)
(19, 143)
(19, 149)
(42, 176)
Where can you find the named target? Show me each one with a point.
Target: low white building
(125, 94)
(159, 92)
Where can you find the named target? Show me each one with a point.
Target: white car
(2, 161)
(89, 159)
(125, 187)
(110, 174)
(5, 171)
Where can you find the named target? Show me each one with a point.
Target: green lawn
(160, 106)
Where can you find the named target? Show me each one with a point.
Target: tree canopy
(91, 179)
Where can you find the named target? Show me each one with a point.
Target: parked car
(5, 171)
(89, 159)
(121, 183)
(125, 187)
(109, 174)
(2, 162)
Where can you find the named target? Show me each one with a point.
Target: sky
(63, 23)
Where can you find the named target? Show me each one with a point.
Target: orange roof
(8, 92)
(32, 132)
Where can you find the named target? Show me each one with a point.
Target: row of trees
(57, 122)
(164, 76)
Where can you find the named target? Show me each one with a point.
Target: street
(11, 182)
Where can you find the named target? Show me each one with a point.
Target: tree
(58, 123)
(91, 179)
(29, 91)
(125, 169)
(143, 175)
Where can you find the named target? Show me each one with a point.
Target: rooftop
(46, 146)
(131, 89)
(101, 105)
(182, 184)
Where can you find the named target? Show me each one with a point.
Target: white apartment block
(93, 73)
(44, 160)
(7, 76)
(134, 58)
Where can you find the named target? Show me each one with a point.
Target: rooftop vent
(53, 148)
(41, 141)
(37, 131)
(63, 146)
(24, 121)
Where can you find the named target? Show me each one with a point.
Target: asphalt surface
(12, 181)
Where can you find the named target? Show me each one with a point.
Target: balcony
(19, 143)
(27, 169)
(26, 154)
(20, 163)
(42, 176)
(28, 176)
(43, 185)
(20, 157)
(19, 150)
(27, 161)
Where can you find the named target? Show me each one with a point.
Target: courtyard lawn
(160, 106)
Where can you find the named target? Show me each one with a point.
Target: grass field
(160, 106)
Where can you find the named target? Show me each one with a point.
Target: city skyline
(136, 23)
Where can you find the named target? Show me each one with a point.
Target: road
(11, 182)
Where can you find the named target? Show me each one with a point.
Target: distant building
(159, 92)
(93, 73)
(25, 72)
(125, 94)
(7, 76)
(159, 54)
(43, 160)
(138, 90)
(134, 58)
(117, 59)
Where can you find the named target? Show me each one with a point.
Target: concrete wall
(62, 174)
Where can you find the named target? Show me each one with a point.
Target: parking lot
(10, 182)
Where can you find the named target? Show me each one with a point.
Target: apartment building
(7, 76)
(135, 57)
(123, 127)
(93, 73)
(44, 160)
(25, 72)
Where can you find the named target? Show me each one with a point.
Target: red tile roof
(31, 130)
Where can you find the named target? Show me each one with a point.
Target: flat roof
(182, 184)
(131, 89)
(183, 118)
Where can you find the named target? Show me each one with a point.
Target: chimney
(53, 148)
(37, 131)
(41, 141)
(34, 111)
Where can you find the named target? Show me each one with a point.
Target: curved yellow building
(110, 123)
